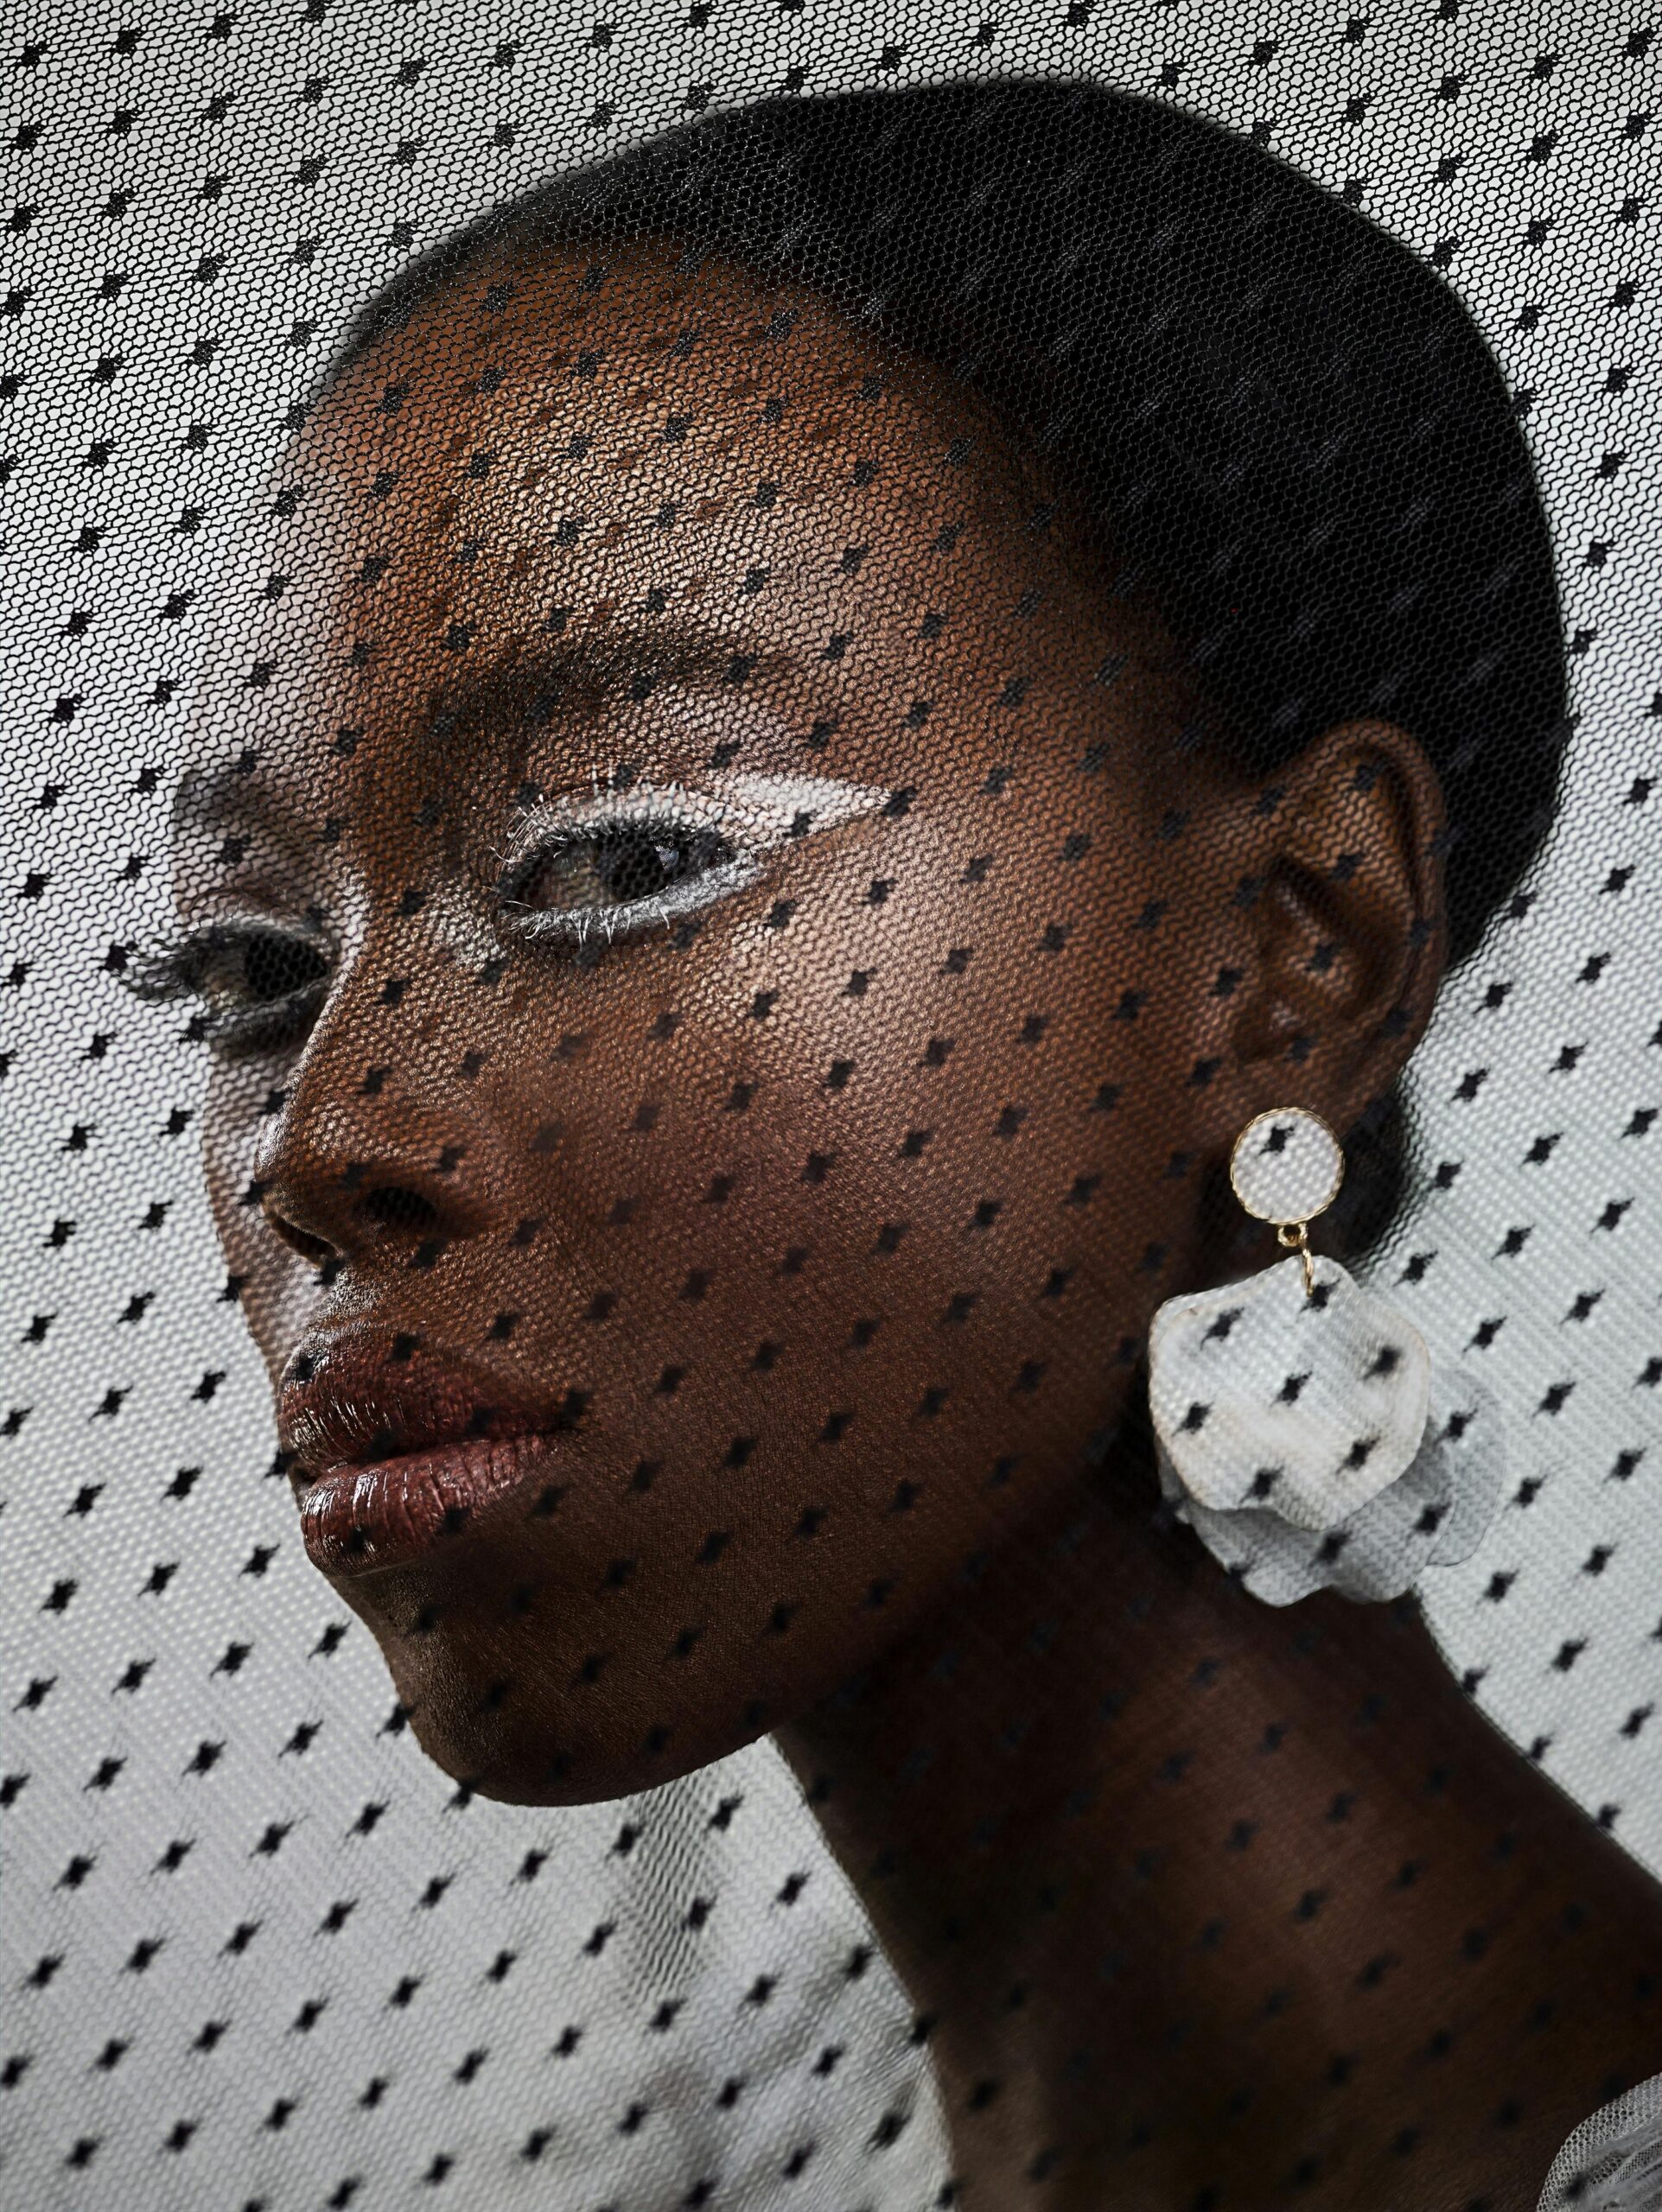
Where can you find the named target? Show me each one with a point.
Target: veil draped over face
(262, 1951)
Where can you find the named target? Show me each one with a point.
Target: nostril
(391, 1206)
(317, 1249)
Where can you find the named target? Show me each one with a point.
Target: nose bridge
(377, 1133)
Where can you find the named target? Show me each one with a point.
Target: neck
(1197, 1897)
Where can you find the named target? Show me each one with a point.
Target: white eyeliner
(753, 812)
(826, 800)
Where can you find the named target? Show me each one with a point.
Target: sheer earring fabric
(1311, 1443)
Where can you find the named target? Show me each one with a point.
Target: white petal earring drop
(1300, 1427)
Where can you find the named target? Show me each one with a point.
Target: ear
(1342, 943)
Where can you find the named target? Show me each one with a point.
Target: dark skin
(841, 1203)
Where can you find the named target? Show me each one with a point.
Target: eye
(266, 966)
(622, 863)
(618, 864)
(257, 984)
(621, 874)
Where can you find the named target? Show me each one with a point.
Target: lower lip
(357, 1520)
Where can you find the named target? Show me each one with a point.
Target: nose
(377, 1164)
(385, 1212)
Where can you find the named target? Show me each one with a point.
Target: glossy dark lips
(395, 1456)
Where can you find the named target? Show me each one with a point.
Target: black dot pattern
(710, 835)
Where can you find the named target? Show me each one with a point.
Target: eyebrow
(592, 667)
(581, 668)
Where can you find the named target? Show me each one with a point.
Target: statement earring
(1302, 1428)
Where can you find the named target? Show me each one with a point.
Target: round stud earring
(1286, 1168)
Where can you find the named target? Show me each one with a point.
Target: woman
(840, 702)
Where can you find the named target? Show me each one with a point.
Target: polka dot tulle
(700, 701)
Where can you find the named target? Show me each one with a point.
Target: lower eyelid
(638, 914)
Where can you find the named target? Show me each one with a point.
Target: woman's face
(720, 953)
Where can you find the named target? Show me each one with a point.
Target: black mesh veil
(700, 701)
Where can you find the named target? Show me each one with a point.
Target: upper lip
(358, 1397)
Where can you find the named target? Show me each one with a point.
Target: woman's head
(761, 846)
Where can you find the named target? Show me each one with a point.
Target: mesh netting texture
(700, 698)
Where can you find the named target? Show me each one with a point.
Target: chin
(507, 1732)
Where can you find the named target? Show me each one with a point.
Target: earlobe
(1346, 925)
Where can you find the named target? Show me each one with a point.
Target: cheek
(230, 1137)
(887, 1107)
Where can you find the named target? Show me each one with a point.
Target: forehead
(563, 391)
(569, 448)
